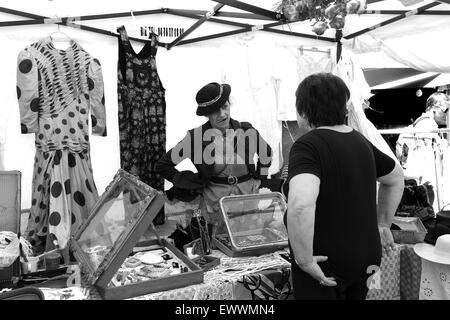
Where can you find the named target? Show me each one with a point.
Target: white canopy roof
(419, 41)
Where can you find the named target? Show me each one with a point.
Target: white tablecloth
(435, 281)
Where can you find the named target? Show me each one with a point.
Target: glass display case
(107, 248)
(253, 224)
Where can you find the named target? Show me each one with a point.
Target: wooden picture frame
(137, 215)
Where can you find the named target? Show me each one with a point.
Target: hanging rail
(407, 130)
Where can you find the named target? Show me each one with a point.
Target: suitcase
(10, 192)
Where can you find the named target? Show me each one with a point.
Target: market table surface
(266, 277)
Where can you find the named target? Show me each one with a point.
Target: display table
(403, 275)
(265, 277)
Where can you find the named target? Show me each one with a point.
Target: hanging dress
(142, 112)
(57, 90)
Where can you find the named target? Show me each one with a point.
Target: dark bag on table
(440, 227)
(443, 216)
(417, 201)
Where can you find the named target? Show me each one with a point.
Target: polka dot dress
(60, 92)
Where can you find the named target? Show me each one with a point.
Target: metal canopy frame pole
(182, 13)
(392, 20)
(248, 28)
(253, 9)
(196, 25)
(428, 12)
(20, 13)
(215, 36)
(297, 34)
(253, 12)
(66, 21)
(36, 19)
(226, 14)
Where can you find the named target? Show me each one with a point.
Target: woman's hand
(313, 269)
(387, 240)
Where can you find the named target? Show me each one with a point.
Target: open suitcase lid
(116, 223)
(255, 220)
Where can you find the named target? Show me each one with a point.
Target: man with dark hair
(337, 229)
(321, 99)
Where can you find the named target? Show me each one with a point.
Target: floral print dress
(59, 91)
(142, 112)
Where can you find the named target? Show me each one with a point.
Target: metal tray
(254, 224)
(413, 231)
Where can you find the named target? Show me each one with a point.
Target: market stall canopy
(384, 28)
(394, 78)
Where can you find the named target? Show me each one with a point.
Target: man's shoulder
(309, 139)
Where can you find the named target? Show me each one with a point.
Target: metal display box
(412, 230)
(116, 223)
(254, 224)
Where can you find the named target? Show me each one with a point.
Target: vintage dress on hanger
(57, 89)
(142, 112)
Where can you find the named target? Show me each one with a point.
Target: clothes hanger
(134, 29)
(313, 49)
(58, 31)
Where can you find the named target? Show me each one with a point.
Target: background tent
(391, 78)
(257, 61)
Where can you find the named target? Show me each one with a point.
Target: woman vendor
(223, 151)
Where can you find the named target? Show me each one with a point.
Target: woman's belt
(232, 180)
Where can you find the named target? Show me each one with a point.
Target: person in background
(222, 150)
(434, 117)
(337, 229)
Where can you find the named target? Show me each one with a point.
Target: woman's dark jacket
(186, 184)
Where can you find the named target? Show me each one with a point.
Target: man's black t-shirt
(346, 227)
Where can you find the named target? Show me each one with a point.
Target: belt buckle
(233, 180)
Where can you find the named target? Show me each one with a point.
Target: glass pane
(255, 220)
(119, 209)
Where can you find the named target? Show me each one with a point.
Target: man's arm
(303, 193)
